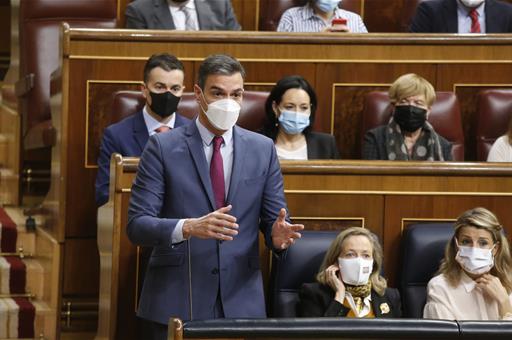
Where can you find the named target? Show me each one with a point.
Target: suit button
(215, 271)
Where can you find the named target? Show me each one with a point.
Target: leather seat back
(423, 246)
(40, 23)
(299, 265)
(493, 118)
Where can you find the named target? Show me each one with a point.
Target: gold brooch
(384, 308)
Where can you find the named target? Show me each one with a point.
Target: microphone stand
(190, 278)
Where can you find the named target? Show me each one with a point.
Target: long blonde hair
(480, 218)
(379, 283)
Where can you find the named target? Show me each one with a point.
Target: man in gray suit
(190, 15)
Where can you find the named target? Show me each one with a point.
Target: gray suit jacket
(215, 15)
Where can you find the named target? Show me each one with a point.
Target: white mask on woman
(223, 113)
(472, 3)
(475, 260)
(355, 271)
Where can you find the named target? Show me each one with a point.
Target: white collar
(152, 124)
(176, 5)
(207, 135)
(468, 283)
(465, 10)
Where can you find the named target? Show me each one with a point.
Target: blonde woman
(408, 135)
(475, 278)
(349, 283)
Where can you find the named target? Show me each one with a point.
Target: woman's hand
(492, 287)
(333, 279)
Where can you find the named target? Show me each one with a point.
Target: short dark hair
(218, 64)
(271, 127)
(165, 61)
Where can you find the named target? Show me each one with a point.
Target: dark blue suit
(440, 16)
(173, 183)
(128, 138)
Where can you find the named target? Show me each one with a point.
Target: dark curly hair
(271, 127)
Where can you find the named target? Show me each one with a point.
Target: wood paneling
(81, 265)
(247, 13)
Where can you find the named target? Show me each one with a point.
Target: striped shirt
(304, 19)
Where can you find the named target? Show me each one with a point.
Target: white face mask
(475, 260)
(223, 113)
(472, 3)
(355, 271)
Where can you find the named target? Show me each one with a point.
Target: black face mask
(164, 104)
(410, 118)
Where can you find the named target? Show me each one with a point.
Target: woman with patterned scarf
(408, 135)
(349, 281)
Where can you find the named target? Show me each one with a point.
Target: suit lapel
(450, 17)
(163, 14)
(239, 152)
(140, 131)
(203, 13)
(195, 145)
(492, 24)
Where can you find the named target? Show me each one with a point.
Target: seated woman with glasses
(475, 277)
(349, 283)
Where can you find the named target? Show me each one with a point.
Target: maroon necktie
(217, 173)
(163, 128)
(475, 24)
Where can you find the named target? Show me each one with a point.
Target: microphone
(191, 314)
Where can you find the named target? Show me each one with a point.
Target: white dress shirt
(301, 154)
(226, 150)
(501, 150)
(463, 302)
(178, 16)
(152, 124)
(464, 19)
